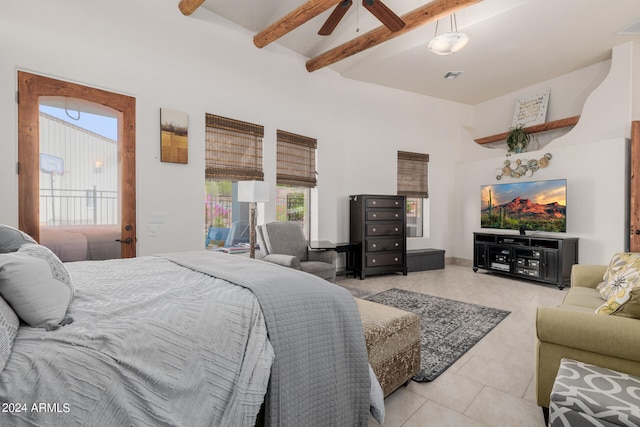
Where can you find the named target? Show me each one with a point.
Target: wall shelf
(556, 124)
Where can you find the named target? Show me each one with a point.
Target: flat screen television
(533, 205)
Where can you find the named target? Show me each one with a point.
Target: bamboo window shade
(296, 160)
(233, 149)
(413, 174)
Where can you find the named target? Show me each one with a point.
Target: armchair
(284, 243)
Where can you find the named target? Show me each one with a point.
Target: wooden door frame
(30, 88)
(634, 198)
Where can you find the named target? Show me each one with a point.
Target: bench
(393, 343)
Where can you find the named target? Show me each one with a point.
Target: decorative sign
(531, 109)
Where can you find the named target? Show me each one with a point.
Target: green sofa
(573, 330)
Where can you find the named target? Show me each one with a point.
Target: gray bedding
(154, 343)
(320, 375)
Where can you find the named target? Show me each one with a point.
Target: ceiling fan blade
(392, 21)
(332, 21)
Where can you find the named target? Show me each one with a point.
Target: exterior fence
(78, 207)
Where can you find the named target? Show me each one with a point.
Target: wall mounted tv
(533, 205)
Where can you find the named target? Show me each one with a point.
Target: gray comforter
(320, 375)
(154, 343)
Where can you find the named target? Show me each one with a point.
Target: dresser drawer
(373, 202)
(384, 215)
(374, 229)
(384, 244)
(381, 260)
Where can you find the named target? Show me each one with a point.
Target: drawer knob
(373, 229)
(374, 202)
(397, 215)
(397, 229)
(397, 244)
(375, 215)
(397, 203)
(396, 259)
(374, 245)
(373, 261)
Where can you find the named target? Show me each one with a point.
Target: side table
(348, 248)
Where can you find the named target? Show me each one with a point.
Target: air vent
(452, 75)
(631, 29)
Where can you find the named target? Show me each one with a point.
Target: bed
(185, 339)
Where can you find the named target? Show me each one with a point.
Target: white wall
(593, 157)
(147, 49)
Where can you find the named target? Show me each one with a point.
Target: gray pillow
(8, 329)
(11, 239)
(36, 284)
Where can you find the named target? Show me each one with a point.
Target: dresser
(378, 224)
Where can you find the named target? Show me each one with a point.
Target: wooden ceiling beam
(187, 7)
(292, 20)
(414, 19)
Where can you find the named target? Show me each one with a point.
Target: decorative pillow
(625, 302)
(36, 284)
(11, 239)
(623, 270)
(9, 323)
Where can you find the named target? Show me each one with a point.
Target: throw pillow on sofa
(623, 269)
(621, 286)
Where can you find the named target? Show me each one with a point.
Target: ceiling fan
(378, 9)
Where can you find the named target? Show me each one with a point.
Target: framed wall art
(174, 136)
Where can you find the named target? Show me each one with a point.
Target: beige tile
(504, 377)
(399, 406)
(496, 408)
(450, 390)
(434, 415)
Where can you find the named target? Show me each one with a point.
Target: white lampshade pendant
(448, 43)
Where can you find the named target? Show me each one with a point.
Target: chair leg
(545, 413)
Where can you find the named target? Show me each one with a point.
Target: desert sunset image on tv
(536, 205)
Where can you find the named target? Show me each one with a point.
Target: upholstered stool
(393, 343)
(585, 394)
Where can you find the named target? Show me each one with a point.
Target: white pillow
(11, 239)
(9, 324)
(36, 284)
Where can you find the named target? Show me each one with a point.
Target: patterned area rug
(449, 328)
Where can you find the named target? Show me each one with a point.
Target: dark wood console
(539, 258)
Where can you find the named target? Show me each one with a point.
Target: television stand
(539, 258)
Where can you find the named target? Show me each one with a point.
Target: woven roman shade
(233, 149)
(296, 163)
(413, 174)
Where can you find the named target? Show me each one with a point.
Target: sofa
(575, 331)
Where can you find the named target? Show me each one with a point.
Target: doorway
(76, 182)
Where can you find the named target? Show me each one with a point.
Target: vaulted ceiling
(513, 43)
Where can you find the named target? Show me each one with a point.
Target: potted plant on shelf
(518, 139)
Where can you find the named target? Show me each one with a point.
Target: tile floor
(492, 384)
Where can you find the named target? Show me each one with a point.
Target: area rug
(448, 328)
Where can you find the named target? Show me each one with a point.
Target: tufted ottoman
(588, 395)
(393, 343)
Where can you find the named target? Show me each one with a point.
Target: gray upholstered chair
(284, 243)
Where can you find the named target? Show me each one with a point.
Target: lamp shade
(253, 191)
(448, 43)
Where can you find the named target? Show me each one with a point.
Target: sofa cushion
(623, 269)
(587, 298)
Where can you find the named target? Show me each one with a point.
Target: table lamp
(253, 192)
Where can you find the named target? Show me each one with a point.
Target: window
(295, 175)
(233, 153)
(413, 183)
